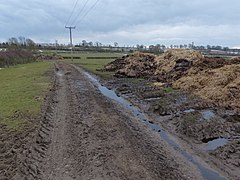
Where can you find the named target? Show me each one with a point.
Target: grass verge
(22, 89)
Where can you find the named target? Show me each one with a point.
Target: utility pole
(71, 42)
(56, 45)
(70, 29)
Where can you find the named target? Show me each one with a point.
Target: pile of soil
(136, 65)
(221, 85)
(167, 67)
(211, 78)
(174, 64)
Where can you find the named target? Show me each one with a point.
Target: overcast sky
(128, 22)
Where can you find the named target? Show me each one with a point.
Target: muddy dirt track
(84, 135)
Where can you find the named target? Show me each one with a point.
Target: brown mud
(212, 78)
(84, 135)
(207, 129)
(192, 96)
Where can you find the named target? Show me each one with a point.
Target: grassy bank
(93, 64)
(22, 89)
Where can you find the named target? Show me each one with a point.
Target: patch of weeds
(168, 89)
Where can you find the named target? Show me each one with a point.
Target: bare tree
(13, 41)
(30, 43)
(115, 44)
(22, 40)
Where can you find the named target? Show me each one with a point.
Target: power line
(85, 24)
(84, 15)
(80, 12)
(72, 12)
(90, 9)
(74, 7)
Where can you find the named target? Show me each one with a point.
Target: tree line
(20, 42)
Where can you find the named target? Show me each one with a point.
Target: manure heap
(212, 78)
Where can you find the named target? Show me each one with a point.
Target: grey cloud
(129, 22)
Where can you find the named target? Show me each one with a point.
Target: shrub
(16, 56)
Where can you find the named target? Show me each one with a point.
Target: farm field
(113, 107)
(93, 65)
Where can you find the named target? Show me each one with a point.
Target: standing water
(207, 173)
(216, 143)
(208, 115)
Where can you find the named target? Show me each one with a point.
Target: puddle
(152, 99)
(59, 73)
(214, 143)
(208, 174)
(189, 110)
(208, 115)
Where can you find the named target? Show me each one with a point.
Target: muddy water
(208, 115)
(214, 144)
(59, 73)
(207, 173)
(189, 111)
(211, 143)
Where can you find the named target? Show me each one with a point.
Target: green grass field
(93, 64)
(22, 89)
(91, 54)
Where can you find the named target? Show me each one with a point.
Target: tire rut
(84, 135)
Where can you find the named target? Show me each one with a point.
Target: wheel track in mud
(32, 158)
(100, 140)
